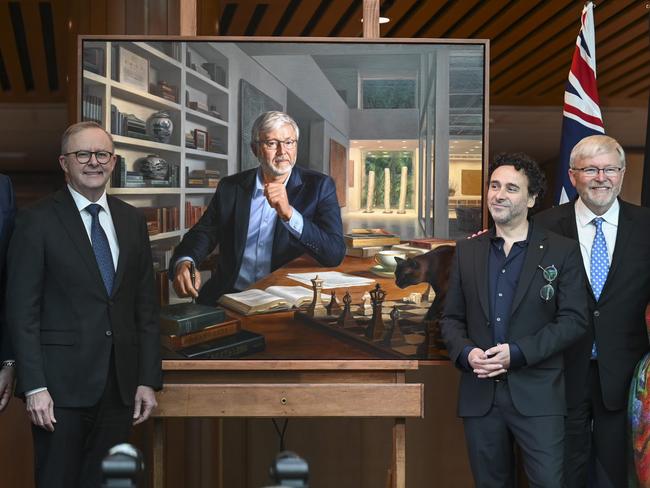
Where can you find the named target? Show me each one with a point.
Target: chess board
(419, 339)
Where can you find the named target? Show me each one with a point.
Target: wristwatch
(9, 363)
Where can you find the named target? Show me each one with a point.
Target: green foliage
(388, 94)
(393, 160)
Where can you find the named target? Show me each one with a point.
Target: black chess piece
(376, 327)
(333, 307)
(346, 320)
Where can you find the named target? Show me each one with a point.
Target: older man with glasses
(614, 239)
(82, 316)
(262, 218)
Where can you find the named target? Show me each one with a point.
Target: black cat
(432, 267)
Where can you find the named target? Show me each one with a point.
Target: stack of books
(201, 178)
(430, 243)
(189, 140)
(203, 332)
(370, 237)
(164, 90)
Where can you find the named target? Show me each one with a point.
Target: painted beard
(278, 166)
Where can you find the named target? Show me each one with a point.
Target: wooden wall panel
(208, 16)
(157, 15)
(116, 17)
(136, 20)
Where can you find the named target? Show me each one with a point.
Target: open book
(270, 300)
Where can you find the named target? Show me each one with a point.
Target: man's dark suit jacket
(541, 329)
(62, 321)
(7, 214)
(225, 223)
(618, 316)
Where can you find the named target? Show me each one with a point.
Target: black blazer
(542, 329)
(7, 215)
(618, 318)
(225, 223)
(63, 324)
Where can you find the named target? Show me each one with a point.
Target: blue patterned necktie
(101, 248)
(599, 265)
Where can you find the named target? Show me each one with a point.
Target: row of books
(202, 178)
(129, 125)
(198, 331)
(193, 213)
(123, 178)
(92, 108)
(161, 219)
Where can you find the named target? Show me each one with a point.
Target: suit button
(108, 333)
(596, 313)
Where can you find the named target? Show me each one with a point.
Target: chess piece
(333, 307)
(376, 327)
(365, 308)
(346, 320)
(429, 295)
(396, 335)
(316, 308)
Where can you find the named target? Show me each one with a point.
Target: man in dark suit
(515, 302)
(83, 316)
(7, 367)
(262, 218)
(600, 366)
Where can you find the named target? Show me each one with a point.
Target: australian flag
(582, 116)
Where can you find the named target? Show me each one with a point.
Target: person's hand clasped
(7, 375)
(183, 280)
(145, 402)
(490, 363)
(276, 195)
(40, 409)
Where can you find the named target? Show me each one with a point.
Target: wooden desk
(302, 373)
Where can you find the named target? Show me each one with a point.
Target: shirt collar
(498, 241)
(82, 202)
(586, 216)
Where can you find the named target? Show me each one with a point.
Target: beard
(277, 166)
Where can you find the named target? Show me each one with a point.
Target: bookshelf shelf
(165, 235)
(205, 154)
(144, 143)
(169, 69)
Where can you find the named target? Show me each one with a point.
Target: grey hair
(593, 146)
(78, 127)
(269, 121)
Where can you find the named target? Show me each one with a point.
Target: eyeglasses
(83, 157)
(549, 273)
(273, 144)
(591, 171)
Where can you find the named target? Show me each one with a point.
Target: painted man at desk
(262, 218)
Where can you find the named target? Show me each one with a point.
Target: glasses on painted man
(273, 144)
(83, 157)
(592, 171)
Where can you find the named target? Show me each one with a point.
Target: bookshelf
(124, 84)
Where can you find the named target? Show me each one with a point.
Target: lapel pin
(541, 246)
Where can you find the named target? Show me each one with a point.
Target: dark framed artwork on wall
(252, 103)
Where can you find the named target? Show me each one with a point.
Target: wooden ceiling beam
(481, 15)
(540, 58)
(241, 18)
(35, 48)
(329, 18)
(349, 25)
(300, 17)
(446, 21)
(271, 17)
(395, 13)
(631, 81)
(414, 18)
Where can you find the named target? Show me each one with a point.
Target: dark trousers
(490, 445)
(71, 456)
(596, 440)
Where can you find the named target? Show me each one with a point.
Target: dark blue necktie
(599, 266)
(101, 248)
